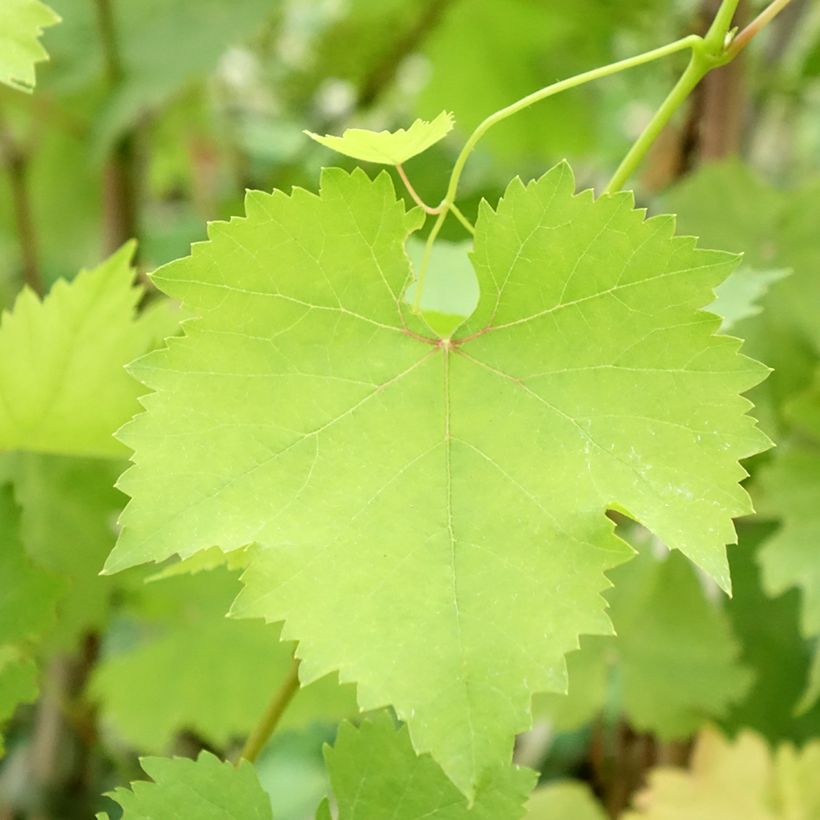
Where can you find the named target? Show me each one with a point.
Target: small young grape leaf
(203, 789)
(388, 147)
(564, 800)
(735, 780)
(21, 24)
(29, 592)
(666, 629)
(374, 772)
(18, 682)
(62, 382)
(379, 468)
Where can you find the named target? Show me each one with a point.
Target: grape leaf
(735, 780)
(564, 800)
(666, 630)
(62, 381)
(171, 682)
(27, 604)
(378, 469)
(374, 772)
(68, 510)
(388, 147)
(21, 24)
(790, 487)
(18, 683)
(205, 789)
(730, 206)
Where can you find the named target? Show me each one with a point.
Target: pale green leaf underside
(204, 789)
(21, 24)
(388, 147)
(63, 387)
(738, 297)
(441, 493)
(450, 292)
(375, 773)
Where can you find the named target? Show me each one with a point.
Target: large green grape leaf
(21, 24)
(374, 772)
(29, 592)
(735, 780)
(202, 789)
(666, 629)
(149, 693)
(62, 382)
(439, 491)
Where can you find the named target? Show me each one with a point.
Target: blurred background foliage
(153, 117)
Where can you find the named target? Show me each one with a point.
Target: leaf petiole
(429, 209)
(264, 729)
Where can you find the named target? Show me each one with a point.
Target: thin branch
(276, 708)
(758, 24)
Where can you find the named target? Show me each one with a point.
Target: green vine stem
(715, 49)
(525, 102)
(270, 719)
(700, 64)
